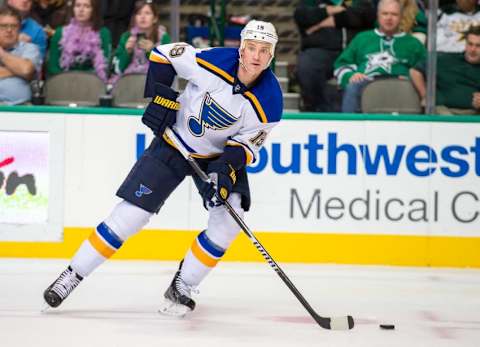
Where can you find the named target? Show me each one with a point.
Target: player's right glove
(223, 173)
(223, 178)
(162, 110)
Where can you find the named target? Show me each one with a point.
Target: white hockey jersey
(451, 27)
(215, 108)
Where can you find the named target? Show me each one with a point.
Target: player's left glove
(162, 110)
(223, 173)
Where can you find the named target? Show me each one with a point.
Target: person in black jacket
(326, 28)
(116, 17)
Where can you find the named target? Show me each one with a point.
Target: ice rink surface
(241, 305)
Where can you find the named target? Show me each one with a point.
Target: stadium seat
(390, 95)
(74, 87)
(128, 91)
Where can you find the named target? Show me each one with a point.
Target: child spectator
(82, 44)
(135, 45)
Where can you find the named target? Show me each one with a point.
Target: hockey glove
(162, 110)
(223, 174)
(223, 178)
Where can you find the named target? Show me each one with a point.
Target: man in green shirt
(458, 78)
(385, 51)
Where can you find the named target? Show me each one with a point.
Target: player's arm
(250, 140)
(239, 151)
(242, 149)
(162, 110)
(168, 61)
(160, 70)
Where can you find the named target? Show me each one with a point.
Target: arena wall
(330, 188)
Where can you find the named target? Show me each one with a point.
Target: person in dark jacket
(326, 27)
(116, 17)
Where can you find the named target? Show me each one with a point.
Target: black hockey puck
(387, 326)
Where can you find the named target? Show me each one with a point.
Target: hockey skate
(62, 287)
(178, 297)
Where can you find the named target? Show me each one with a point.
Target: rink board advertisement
(407, 178)
(24, 177)
(31, 171)
(388, 191)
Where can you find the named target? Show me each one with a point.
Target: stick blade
(341, 323)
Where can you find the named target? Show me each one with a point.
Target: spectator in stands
(458, 78)
(50, 14)
(116, 16)
(19, 60)
(131, 55)
(453, 21)
(82, 44)
(30, 30)
(413, 20)
(385, 51)
(325, 30)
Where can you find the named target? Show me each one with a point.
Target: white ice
(241, 305)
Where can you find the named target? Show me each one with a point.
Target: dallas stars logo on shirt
(381, 60)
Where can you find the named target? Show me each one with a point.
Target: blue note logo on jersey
(143, 190)
(212, 116)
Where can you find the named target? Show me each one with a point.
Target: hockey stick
(334, 323)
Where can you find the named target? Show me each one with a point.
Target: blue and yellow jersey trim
(248, 152)
(215, 70)
(224, 66)
(192, 152)
(157, 57)
(256, 106)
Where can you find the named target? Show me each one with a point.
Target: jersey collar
(240, 88)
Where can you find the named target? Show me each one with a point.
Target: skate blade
(46, 307)
(172, 309)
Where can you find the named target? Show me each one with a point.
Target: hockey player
(230, 104)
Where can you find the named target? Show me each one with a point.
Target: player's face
(255, 56)
(145, 19)
(389, 16)
(82, 11)
(472, 49)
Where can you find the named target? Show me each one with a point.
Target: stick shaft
(324, 322)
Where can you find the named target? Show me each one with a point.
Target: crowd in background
(108, 38)
(345, 45)
(361, 41)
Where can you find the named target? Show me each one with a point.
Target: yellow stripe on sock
(200, 254)
(100, 245)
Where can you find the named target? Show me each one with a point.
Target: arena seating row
(85, 89)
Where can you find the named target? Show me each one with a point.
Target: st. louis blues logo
(143, 190)
(212, 116)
